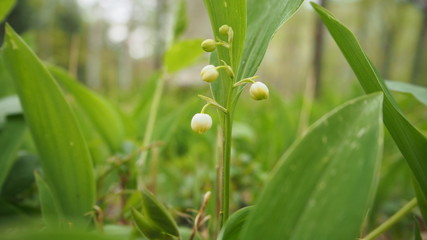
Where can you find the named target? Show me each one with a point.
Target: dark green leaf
(11, 137)
(309, 194)
(234, 225)
(412, 144)
(64, 154)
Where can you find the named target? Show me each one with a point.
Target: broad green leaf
(334, 166)
(11, 137)
(102, 114)
(234, 225)
(5, 7)
(182, 54)
(418, 92)
(158, 215)
(21, 175)
(412, 144)
(264, 19)
(50, 211)
(64, 154)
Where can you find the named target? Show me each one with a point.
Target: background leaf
(309, 194)
(101, 112)
(418, 92)
(5, 7)
(412, 144)
(11, 137)
(8, 106)
(182, 54)
(64, 155)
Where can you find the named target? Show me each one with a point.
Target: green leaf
(63, 235)
(234, 225)
(11, 137)
(64, 154)
(418, 92)
(102, 113)
(50, 210)
(412, 144)
(158, 214)
(264, 19)
(182, 54)
(309, 194)
(5, 7)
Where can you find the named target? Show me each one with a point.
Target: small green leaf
(309, 194)
(158, 214)
(11, 137)
(182, 54)
(234, 225)
(418, 92)
(147, 228)
(412, 144)
(102, 114)
(64, 155)
(5, 7)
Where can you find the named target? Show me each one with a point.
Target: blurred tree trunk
(420, 51)
(391, 28)
(319, 36)
(160, 32)
(93, 64)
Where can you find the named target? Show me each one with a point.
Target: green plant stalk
(392, 220)
(228, 129)
(149, 129)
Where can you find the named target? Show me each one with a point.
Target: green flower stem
(392, 220)
(150, 128)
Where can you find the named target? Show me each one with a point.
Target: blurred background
(116, 48)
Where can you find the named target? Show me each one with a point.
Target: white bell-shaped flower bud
(259, 91)
(209, 73)
(201, 122)
(209, 45)
(224, 29)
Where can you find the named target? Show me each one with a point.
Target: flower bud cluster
(202, 122)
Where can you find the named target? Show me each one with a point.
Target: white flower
(201, 122)
(209, 45)
(259, 91)
(209, 73)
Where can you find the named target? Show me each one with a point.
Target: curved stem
(392, 220)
